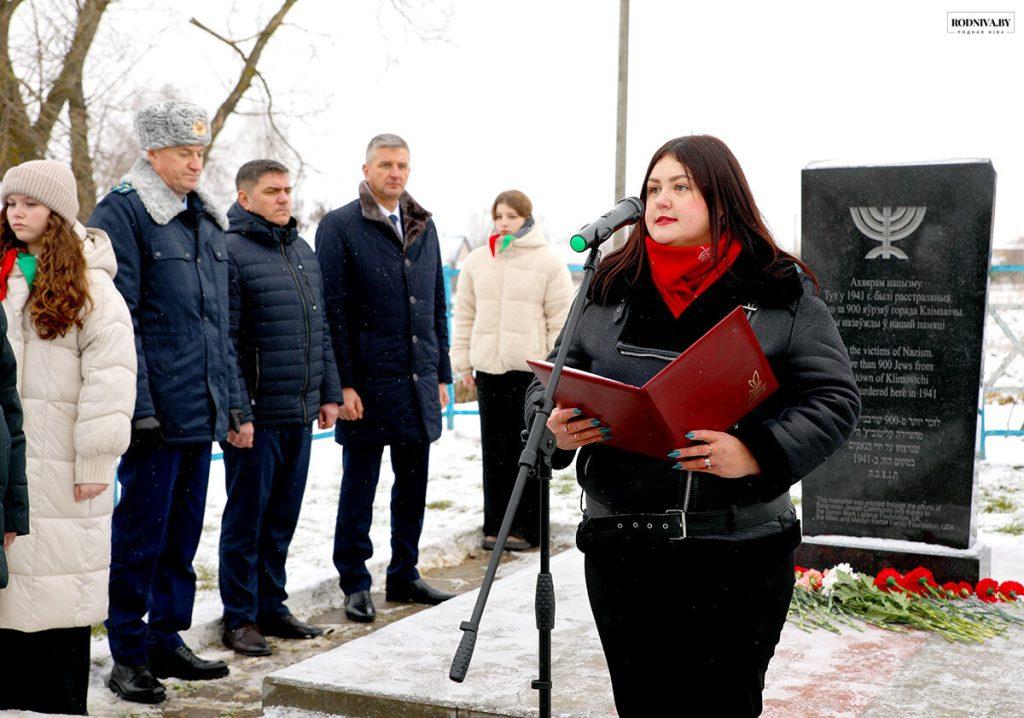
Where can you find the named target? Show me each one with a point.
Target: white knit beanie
(46, 181)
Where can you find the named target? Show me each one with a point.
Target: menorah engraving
(887, 225)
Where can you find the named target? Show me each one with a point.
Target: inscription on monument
(902, 256)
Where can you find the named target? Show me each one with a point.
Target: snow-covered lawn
(454, 515)
(451, 529)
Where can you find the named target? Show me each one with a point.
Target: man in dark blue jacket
(385, 298)
(287, 378)
(172, 269)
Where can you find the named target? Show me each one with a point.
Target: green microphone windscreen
(578, 243)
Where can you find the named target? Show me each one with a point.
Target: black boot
(288, 626)
(136, 684)
(246, 640)
(359, 607)
(183, 663)
(418, 591)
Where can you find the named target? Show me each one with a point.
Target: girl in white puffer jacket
(72, 337)
(512, 299)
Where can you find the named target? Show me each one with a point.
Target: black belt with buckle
(676, 524)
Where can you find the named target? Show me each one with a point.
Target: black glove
(235, 419)
(147, 434)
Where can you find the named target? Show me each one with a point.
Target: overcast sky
(522, 94)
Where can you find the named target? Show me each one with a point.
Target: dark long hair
(731, 208)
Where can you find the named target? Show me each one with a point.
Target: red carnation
(987, 590)
(888, 579)
(1011, 590)
(952, 589)
(917, 580)
(966, 589)
(800, 570)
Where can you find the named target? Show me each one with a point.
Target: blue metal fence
(995, 311)
(1017, 349)
(452, 411)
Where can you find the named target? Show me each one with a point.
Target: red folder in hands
(712, 385)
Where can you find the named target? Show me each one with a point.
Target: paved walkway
(402, 669)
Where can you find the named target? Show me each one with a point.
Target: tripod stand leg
(544, 605)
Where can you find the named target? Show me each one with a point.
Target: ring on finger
(707, 463)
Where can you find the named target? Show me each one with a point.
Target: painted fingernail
(606, 437)
(605, 430)
(595, 422)
(689, 435)
(677, 466)
(577, 412)
(674, 454)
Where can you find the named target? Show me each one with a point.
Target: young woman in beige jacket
(512, 299)
(72, 337)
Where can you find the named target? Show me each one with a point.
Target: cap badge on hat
(199, 128)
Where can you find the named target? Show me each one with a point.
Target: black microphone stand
(535, 464)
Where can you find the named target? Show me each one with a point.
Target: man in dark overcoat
(172, 269)
(384, 290)
(287, 378)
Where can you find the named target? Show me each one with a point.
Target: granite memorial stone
(902, 254)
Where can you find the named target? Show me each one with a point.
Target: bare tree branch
(424, 29)
(81, 158)
(15, 127)
(273, 126)
(71, 71)
(248, 72)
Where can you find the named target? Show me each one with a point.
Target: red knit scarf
(681, 274)
(6, 266)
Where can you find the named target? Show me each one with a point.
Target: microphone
(627, 211)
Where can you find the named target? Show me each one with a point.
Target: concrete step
(402, 669)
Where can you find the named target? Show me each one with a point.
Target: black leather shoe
(136, 684)
(418, 591)
(185, 664)
(246, 640)
(289, 627)
(359, 607)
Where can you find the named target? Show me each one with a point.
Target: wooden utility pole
(620, 126)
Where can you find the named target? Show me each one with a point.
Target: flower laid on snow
(957, 591)
(833, 575)
(1012, 590)
(810, 579)
(919, 581)
(957, 611)
(987, 590)
(887, 579)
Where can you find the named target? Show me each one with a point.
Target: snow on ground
(452, 526)
(454, 516)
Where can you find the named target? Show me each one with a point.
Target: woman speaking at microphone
(689, 623)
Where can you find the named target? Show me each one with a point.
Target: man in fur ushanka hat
(172, 269)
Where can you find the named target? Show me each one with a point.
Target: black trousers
(688, 628)
(46, 671)
(352, 545)
(501, 398)
(265, 485)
